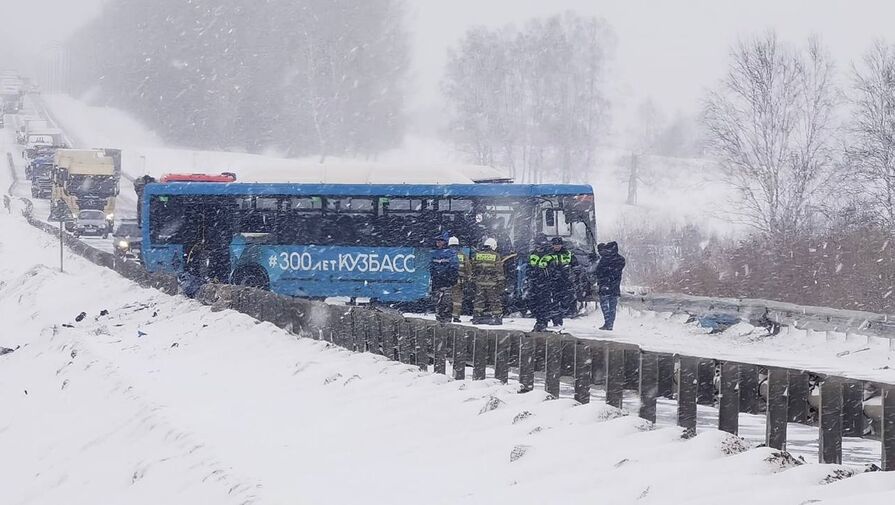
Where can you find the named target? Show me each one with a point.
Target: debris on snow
(522, 416)
(518, 452)
(332, 378)
(492, 403)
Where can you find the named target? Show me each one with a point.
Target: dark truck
(40, 171)
(127, 239)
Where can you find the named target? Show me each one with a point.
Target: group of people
(550, 284)
(454, 273)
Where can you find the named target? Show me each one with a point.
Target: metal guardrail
(769, 313)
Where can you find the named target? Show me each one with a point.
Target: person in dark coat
(537, 291)
(445, 272)
(563, 280)
(609, 279)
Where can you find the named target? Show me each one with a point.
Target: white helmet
(453, 241)
(490, 242)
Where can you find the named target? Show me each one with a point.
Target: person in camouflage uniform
(458, 294)
(488, 278)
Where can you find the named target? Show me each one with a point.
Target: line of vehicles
(344, 234)
(80, 184)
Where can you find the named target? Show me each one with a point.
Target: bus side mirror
(549, 217)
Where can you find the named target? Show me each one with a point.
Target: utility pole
(61, 249)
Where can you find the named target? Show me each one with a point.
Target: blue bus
(354, 240)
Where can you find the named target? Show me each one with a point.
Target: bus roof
(396, 190)
(340, 171)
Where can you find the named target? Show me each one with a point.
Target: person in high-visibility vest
(537, 288)
(564, 292)
(458, 294)
(488, 278)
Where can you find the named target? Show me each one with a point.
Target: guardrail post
(479, 355)
(615, 374)
(363, 330)
(526, 363)
(355, 321)
(539, 361)
(442, 335)
(459, 355)
(799, 390)
(750, 393)
(777, 406)
(632, 369)
(425, 340)
(830, 424)
(513, 356)
(852, 408)
(554, 355)
(686, 395)
(666, 375)
(405, 332)
(388, 329)
(705, 382)
(583, 368)
(729, 398)
(567, 355)
(887, 431)
(373, 331)
(502, 356)
(649, 385)
(598, 359)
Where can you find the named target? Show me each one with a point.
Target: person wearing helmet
(444, 271)
(458, 293)
(488, 279)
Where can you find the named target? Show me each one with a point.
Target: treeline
(321, 77)
(531, 99)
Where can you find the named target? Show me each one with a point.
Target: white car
(91, 222)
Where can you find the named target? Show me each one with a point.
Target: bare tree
(531, 100)
(645, 136)
(871, 154)
(770, 124)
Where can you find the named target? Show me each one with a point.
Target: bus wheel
(252, 277)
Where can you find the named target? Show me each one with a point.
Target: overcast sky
(669, 50)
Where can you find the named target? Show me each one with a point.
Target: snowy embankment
(160, 400)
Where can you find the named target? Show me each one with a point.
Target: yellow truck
(85, 179)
